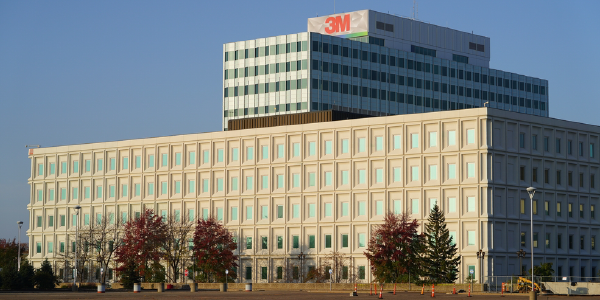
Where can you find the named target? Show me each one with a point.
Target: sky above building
(75, 72)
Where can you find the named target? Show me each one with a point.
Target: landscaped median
(349, 287)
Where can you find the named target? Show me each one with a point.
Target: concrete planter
(193, 287)
(248, 287)
(160, 287)
(101, 288)
(137, 288)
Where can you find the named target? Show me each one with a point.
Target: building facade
(322, 187)
(371, 63)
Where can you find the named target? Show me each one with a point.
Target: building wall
(396, 164)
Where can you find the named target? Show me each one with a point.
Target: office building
(371, 63)
(321, 187)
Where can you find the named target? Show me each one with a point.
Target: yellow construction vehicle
(525, 285)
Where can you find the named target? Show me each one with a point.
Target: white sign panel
(346, 25)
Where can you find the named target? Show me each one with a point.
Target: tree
(440, 262)
(9, 250)
(544, 270)
(26, 275)
(394, 247)
(341, 266)
(44, 278)
(179, 232)
(141, 248)
(213, 249)
(10, 277)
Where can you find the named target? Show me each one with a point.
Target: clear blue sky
(90, 71)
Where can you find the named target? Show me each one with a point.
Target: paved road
(257, 295)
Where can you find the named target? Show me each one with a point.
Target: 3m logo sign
(337, 24)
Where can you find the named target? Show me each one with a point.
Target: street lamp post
(531, 192)
(330, 278)
(77, 208)
(480, 255)
(19, 247)
(226, 272)
(301, 257)
(521, 253)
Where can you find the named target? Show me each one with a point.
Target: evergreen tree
(441, 262)
(10, 277)
(44, 277)
(26, 275)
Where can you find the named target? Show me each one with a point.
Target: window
(559, 241)
(570, 178)
(345, 174)
(312, 210)
(592, 212)
(470, 170)
(451, 205)
(571, 241)
(433, 172)
(593, 243)
(378, 143)
(296, 211)
(522, 206)
(534, 142)
(265, 182)
(470, 136)
(581, 210)
(433, 139)
(280, 181)
(296, 149)
(414, 173)
(312, 148)
(558, 209)
(264, 242)
(248, 212)
(362, 208)
(328, 178)
(522, 140)
(362, 240)
(378, 175)
(311, 241)
(280, 151)
(470, 238)
(535, 239)
(546, 208)
(220, 155)
(249, 272)
(249, 242)
(86, 192)
(344, 146)
(451, 138)
(164, 160)
(534, 204)
(570, 206)
(295, 242)
(264, 212)
(295, 180)
(250, 153)
(570, 147)
(51, 195)
(522, 173)
(41, 169)
(451, 171)
(557, 145)
(75, 168)
(361, 145)
(547, 176)
(534, 175)
(328, 241)
(345, 208)
(397, 174)
(88, 164)
(362, 176)
(470, 204)
(50, 221)
(99, 192)
(397, 142)
(582, 242)
(546, 144)
(415, 206)
(361, 272)
(344, 241)
(592, 150)
(414, 137)
(311, 179)
(378, 208)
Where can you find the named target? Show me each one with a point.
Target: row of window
(558, 209)
(559, 241)
(263, 88)
(287, 107)
(267, 69)
(382, 94)
(279, 153)
(271, 50)
(558, 177)
(400, 62)
(558, 145)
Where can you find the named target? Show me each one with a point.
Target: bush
(26, 275)
(44, 277)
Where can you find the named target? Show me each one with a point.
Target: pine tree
(440, 260)
(44, 277)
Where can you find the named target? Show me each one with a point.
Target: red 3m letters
(337, 24)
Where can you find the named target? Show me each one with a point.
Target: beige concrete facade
(334, 181)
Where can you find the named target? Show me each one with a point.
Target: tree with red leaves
(394, 249)
(9, 251)
(213, 250)
(139, 256)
